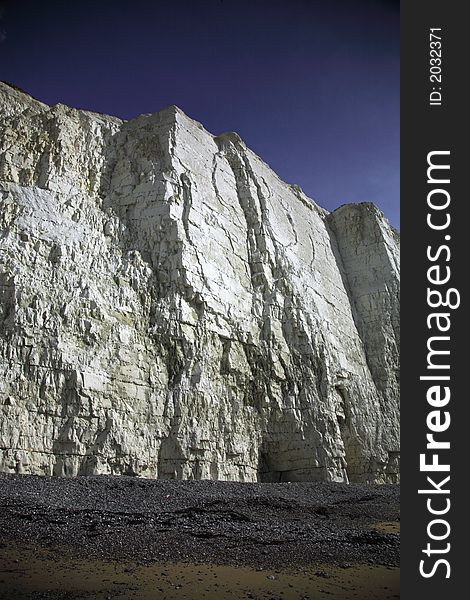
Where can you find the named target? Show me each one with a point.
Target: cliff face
(170, 308)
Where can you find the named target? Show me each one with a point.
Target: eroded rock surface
(170, 308)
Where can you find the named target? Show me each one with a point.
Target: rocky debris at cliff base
(258, 525)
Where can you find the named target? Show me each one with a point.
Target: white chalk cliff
(170, 308)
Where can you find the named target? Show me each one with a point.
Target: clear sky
(312, 86)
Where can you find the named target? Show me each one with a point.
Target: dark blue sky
(311, 86)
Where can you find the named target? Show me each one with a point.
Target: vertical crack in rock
(187, 202)
(170, 308)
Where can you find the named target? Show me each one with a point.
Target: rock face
(170, 308)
